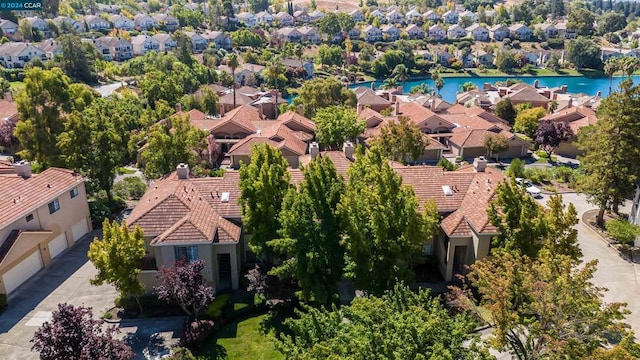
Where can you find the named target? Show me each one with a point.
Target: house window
(73, 192)
(427, 249)
(54, 206)
(188, 253)
(29, 217)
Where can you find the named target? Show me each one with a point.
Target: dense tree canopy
(581, 20)
(527, 121)
(335, 125)
(320, 93)
(401, 140)
(550, 135)
(584, 53)
(506, 110)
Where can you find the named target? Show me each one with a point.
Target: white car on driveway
(531, 189)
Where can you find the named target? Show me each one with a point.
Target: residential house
(310, 34)
(390, 33)
(285, 18)
(301, 17)
(292, 64)
(289, 34)
(481, 57)
(456, 32)
(221, 39)
(564, 32)
(122, 22)
(8, 27)
(354, 33)
(524, 93)
(109, 9)
(367, 98)
(236, 124)
(198, 42)
(37, 23)
(65, 22)
(165, 42)
(143, 44)
(265, 18)
(43, 215)
(443, 57)
(167, 22)
(248, 19)
(478, 32)
(520, 32)
(425, 54)
(95, 23)
(576, 117)
(17, 54)
(499, 32)
(275, 134)
(415, 32)
(436, 32)
(316, 16)
(119, 49)
(468, 14)
(394, 17)
(51, 48)
(372, 34)
(450, 17)
(358, 16)
(243, 71)
(432, 16)
(550, 31)
(144, 22)
(378, 14)
(414, 17)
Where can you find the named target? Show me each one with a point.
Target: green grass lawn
(18, 85)
(124, 170)
(241, 340)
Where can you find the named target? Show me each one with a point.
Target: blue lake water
(575, 84)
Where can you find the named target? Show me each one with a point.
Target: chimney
(314, 149)
(183, 171)
(392, 98)
(480, 164)
(396, 110)
(563, 88)
(373, 85)
(535, 83)
(348, 150)
(178, 107)
(359, 108)
(221, 112)
(261, 111)
(430, 104)
(300, 110)
(399, 90)
(23, 168)
(599, 93)
(570, 103)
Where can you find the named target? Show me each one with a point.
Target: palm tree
(274, 76)
(423, 88)
(611, 67)
(437, 79)
(389, 83)
(552, 107)
(298, 51)
(401, 73)
(232, 63)
(630, 64)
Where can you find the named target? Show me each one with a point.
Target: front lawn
(241, 340)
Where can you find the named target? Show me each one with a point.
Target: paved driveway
(66, 280)
(619, 276)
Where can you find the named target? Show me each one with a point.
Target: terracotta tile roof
(577, 117)
(20, 196)
(418, 114)
(9, 110)
(241, 99)
(198, 119)
(468, 138)
(341, 163)
(371, 117)
(297, 122)
(474, 117)
(242, 116)
(367, 96)
(178, 211)
(244, 146)
(277, 135)
(434, 143)
(527, 94)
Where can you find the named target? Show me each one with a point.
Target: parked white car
(531, 189)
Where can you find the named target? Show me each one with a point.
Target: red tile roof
(8, 110)
(297, 122)
(577, 117)
(242, 116)
(20, 196)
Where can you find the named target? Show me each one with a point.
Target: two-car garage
(22, 272)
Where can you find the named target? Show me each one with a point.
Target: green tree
(170, 144)
(330, 25)
(401, 140)
(156, 85)
(381, 248)
(246, 37)
(46, 98)
(611, 22)
(258, 5)
(506, 111)
(207, 102)
(329, 55)
(527, 121)
(401, 73)
(76, 62)
(630, 64)
(438, 81)
(320, 93)
(609, 163)
(263, 185)
(495, 143)
(516, 168)
(184, 49)
(400, 324)
(274, 76)
(232, 62)
(311, 233)
(506, 61)
(335, 125)
(581, 20)
(545, 308)
(117, 258)
(584, 53)
(611, 66)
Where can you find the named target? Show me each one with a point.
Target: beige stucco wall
(71, 212)
(568, 149)
(430, 155)
(473, 152)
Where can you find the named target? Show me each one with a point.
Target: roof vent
(225, 197)
(446, 189)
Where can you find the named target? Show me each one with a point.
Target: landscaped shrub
(564, 174)
(130, 188)
(622, 230)
(214, 311)
(538, 175)
(98, 210)
(516, 168)
(446, 164)
(194, 334)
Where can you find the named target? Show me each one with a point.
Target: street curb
(604, 240)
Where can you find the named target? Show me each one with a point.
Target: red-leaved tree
(184, 285)
(550, 134)
(73, 334)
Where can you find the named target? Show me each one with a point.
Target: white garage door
(79, 229)
(57, 245)
(21, 272)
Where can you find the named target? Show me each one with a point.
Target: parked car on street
(531, 189)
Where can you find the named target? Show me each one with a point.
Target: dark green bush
(538, 175)
(516, 168)
(130, 188)
(564, 174)
(98, 210)
(446, 164)
(214, 311)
